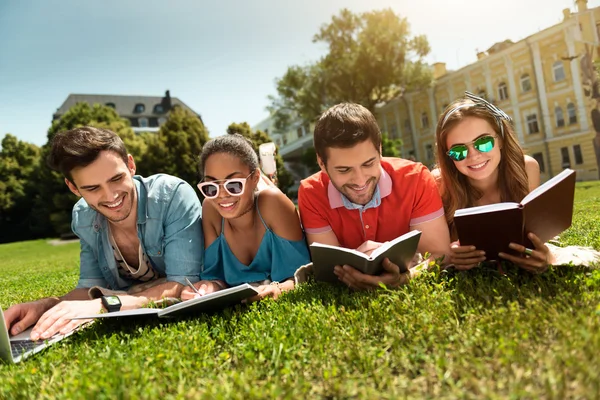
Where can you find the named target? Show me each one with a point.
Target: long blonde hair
(455, 189)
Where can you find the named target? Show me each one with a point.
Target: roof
(125, 105)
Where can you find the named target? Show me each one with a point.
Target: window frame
(502, 91)
(532, 119)
(556, 67)
(558, 112)
(424, 120)
(572, 118)
(577, 154)
(526, 78)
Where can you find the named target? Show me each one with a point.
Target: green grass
(446, 335)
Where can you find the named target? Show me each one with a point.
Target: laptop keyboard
(18, 347)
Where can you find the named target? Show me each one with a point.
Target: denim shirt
(169, 227)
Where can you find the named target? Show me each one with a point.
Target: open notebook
(208, 303)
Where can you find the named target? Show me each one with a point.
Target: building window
(566, 161)
(572, 113)
(393, 132)
(560, 118)
(577, 154)
(161, 120)
(502, 91)
(139, 108)
(159, 109)
(559, 71)
(300, 131)
(153, 122)
(539, 157)
(111, 105)
(532, 124)
(424, 121)
(525, 83)
(429, 151)
(143, 122)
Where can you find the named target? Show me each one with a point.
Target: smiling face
(106, 185)
(219, 167)
(354, 171)
(477, 166)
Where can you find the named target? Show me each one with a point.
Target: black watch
(111, 303)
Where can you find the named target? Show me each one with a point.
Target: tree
(54, 202)
(18, 161)
(309, 160)
(371, 59)
(176, 148)
(258, 137)
(390, 147)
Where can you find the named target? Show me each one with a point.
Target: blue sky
(219, 57)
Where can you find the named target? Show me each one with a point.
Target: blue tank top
(277, 259)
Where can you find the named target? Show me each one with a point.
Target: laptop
(16, 348)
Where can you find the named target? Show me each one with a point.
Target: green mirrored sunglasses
(482, 144)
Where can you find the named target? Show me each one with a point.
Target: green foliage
(176, 148)
(371, 59)
(18, 162)
(309, 159)
(54, 202)
(474, 334)
(390, 147)
(258, 137)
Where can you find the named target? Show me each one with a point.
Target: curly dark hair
(234, 144)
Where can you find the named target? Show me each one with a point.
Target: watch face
(112, 300)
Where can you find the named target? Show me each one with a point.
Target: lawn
(475, 334)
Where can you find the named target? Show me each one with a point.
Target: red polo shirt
(409, 197)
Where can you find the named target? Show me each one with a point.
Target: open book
(546, 211)
(208, 303)
(400, 251)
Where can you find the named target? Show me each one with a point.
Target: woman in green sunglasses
(480, 162)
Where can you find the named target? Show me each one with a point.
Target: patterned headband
(498, 114)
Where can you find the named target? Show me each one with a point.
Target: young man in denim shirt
(133, 231)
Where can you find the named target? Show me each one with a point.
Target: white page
(205, 298)
(383, 248)
(353, 251)
(487, 208)
(547, 185)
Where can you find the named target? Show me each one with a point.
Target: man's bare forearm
(76, 294)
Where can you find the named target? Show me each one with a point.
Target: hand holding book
(465, 257)
(199, 289)
(391, 276)
(533, 260)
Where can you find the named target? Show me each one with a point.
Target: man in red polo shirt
(360, 199)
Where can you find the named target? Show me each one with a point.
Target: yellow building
(545, 82)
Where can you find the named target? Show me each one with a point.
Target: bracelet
(219, 284)
(276, 284)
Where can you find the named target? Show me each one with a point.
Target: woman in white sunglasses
(250, 236)
(480, 162)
